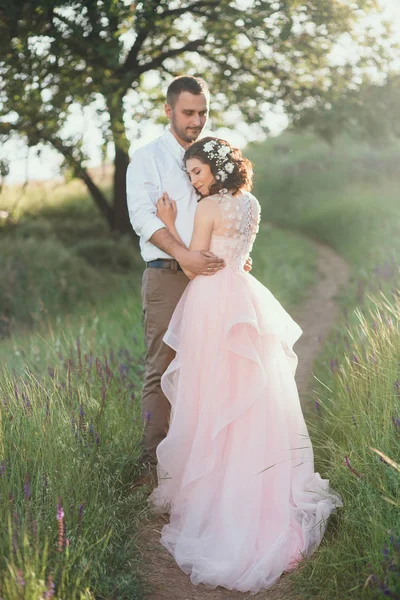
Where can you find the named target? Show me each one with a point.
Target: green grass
(347, 196)
(70, 438)
(70, 433)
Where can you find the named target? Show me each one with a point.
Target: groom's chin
(192, 136)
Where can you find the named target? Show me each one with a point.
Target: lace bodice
(240, 218)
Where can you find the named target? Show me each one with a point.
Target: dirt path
(316, 316)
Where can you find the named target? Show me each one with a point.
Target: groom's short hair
(186, 83)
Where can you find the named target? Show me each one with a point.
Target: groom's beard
(187, 134)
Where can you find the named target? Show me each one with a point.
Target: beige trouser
(161, 291)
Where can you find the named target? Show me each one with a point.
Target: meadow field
(348, 196)
(72, 363)
(71, 353)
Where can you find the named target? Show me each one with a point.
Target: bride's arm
(204, 220)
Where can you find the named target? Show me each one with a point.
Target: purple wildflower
(317, 405)
(123, 371)
(73, 425)
(108, 370)
(20, 579)
(147, 416)
(396, 422)
(396, 387)
(385, 550)
(354, 420)
(99, 369)
(348, 465)
(355, 359)
(2, 468)
(50, 589)
(60, 519)
(50, 371)
(27, 402)
(81, 412)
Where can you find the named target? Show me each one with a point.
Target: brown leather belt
(164, 263)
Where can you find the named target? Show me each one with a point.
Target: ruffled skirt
(236, 470)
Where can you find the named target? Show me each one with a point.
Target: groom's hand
(214, 264)
(201, 262)
(248, 265)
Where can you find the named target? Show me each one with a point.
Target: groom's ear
(168, 110)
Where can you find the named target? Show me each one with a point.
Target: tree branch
(7, 128)
(73, 42)
(142, 33)
(193, 46)
(176, 12)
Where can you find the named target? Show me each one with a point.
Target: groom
(157, 168)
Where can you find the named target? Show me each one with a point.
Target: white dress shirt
(155, 168)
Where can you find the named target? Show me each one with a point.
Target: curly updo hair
(231, 170)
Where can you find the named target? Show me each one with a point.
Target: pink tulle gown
(236, 470)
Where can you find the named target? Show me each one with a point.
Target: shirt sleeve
(142, 194)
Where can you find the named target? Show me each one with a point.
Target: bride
(236, 470)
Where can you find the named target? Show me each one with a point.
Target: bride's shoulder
(219, 196)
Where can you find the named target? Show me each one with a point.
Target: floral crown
(220, 153)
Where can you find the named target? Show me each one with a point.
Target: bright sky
(24, 164)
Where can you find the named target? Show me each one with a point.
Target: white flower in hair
(223, 151)
(209, 146)
(222, 175)
(229, 167)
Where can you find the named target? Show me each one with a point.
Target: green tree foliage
(369, 111)
(254, 54)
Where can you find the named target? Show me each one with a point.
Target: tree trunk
(97, 196)
(120, 221)
(120, 218)
(79, 171)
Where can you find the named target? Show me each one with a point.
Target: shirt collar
(174, 146)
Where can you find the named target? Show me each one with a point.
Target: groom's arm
(142, 195)
(195, 262)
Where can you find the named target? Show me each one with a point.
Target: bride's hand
(166, 210)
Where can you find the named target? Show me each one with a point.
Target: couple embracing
(224, 423)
